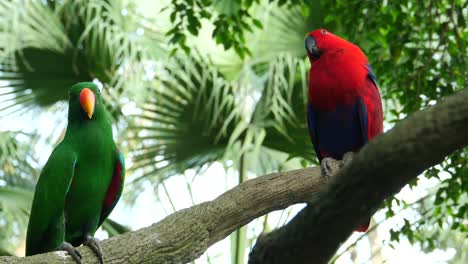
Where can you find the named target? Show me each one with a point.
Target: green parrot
(81, 182)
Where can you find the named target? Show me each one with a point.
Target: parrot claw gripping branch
(344, 108)
(81, 181)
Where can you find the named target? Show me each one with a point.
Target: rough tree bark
(379, 170)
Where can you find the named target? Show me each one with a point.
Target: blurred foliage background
(196, 83)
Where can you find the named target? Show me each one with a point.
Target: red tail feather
(363, 227)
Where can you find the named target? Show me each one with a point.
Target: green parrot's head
(85, 101)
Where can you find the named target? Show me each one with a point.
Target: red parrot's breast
(337, 78)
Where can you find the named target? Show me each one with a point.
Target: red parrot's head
(322, 41)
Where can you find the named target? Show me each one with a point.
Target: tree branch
(186, 234)
(379, 170)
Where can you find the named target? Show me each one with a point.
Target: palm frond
(17, 201)
(187, 120)
(27, 60)
(18, 166)
(18, 173)
(15, 204)
(59, 45)
(281, 110)
(283, 32)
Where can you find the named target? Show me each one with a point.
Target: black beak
(311, 47)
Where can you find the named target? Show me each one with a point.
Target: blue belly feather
(337, 132)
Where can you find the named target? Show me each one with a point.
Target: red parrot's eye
(324, 31)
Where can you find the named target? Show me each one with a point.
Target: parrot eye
(324, 31)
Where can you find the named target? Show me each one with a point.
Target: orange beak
(87, 101)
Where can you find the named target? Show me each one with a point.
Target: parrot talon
(93, 244)
(71, 250)
(328, 166)
(347, 158)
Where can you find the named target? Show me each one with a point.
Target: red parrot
(344, 108)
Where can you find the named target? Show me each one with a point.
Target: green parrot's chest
(91, 178)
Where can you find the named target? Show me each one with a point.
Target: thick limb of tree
(381, 169)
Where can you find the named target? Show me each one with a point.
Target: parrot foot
(93, 244)
(329, 166)
(71, 250)
(347, 158)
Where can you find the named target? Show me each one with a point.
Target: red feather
(114, 188)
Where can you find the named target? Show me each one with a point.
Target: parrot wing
(115, 188)
(312, 126)
(371, 75)
(362, 112)
(46, 221)
(370, 107)
(368, 133)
